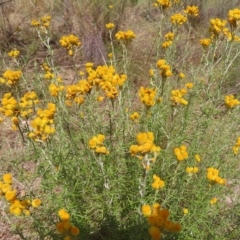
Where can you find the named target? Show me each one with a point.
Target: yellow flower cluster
(217, 26)
(189, 85)
(177, 96)
(48, 71)
(231, 36)
(165, 69)
(74, 92)
(147, 96)
(10, 105)
(127, 36)
(169, 38)
(135, 116)
(192, 170)
(16, 207)
(42, 125)
(96, 143)
(181, 75)
(44, 22)
(54, 89)
(213, 200)
(110, 26)
(107, 79)
(13, 53)
(158, 218)
(178, 19)
(185, 211)
(205, 42)
(145, 144)
(234, 17)
(27, 103)
(65, 227)
(164, 4)
(212, 175)
(235, 148)
(157, 182)
(11, 77)
(231, 101)
(69, 42)
(197, 157)
(181, 153)
(192, 11)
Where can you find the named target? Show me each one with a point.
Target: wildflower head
(36, 203)
(192, 11)
(7, 178)
(213, 200)
(110, 26)
(63, 215)
(181, 153)
(234, 17)
(178, 19)
(157, 182)
(135, 116)
(146, 210)
(69, 42)
(185, 211)
(147, 96)
(13, 53)
(127, 36)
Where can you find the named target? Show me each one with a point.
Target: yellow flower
(36, 203)
(181, 153)
(178, 19)
(235, 149)
(234, 17)
(147, 96)
(12, 77)
(197, 157)
(6, 187)
(192, 11)
(157, 182)
(110, 26)
(7, 178)
(134, 116)
(35, 23)
(185, 211)
(146, 210)
(154, 232)
(10, 195)
(231, 101)
(13, 53)
(165, 69)
(126, 36)
(166, 44)
(60, 227)
(74, 231)
(100, 98)
(181, 75)
(151, 72)
(217, 27)
(169, 36)
(213, 200)
(165, 4)
(63, 215)
(189, 85)
(192, 170)
(205, 42)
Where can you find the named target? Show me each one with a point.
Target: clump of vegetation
(138, 142)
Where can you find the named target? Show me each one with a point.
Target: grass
(103, 182)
